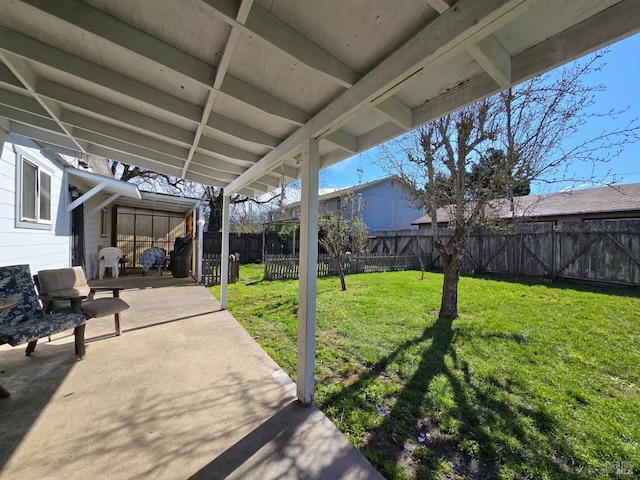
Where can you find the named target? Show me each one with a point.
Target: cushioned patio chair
(66, 290)
(27, 321)
(109, 257)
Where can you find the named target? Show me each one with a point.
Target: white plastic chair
(109, 257)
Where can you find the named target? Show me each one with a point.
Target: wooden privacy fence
(603, 251)
(211, 268)
(277, 267)
(249, 245)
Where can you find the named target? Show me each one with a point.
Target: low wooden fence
(278, 267)
(211, 268)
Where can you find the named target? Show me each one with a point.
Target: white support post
(308, 271)
(224, 255)
(200, 223)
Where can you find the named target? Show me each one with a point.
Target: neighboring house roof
(618, 199)
(343, 192)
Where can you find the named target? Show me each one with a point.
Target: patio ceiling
(223, 92)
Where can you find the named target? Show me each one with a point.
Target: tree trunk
(338, 261)
(449, 303)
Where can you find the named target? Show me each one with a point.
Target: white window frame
(103, 222)
(41, 169)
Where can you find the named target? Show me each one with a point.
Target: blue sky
(620, 75)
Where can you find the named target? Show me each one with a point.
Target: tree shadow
(32, 382)
(481, 428)
(563, 284)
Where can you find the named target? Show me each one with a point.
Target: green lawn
(533, 380)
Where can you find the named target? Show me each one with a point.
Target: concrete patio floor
(183, 393)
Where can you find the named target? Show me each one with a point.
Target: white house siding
(92, 237)
(41, 249)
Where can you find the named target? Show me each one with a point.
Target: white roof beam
(108, 201)
(62, 61)
(101, 108)
(396, 111)
(203, 179)
(221, 72)
(263, 101)
(258, 188)
(146, 162)
(8, 78)
(206, 180)
(457, 28)
(100, 24)
(343, 140)
(43, 135)
(262, 24)
(378, 135)
(237, 129)
(28, 118)
(618, 21)
(24, 103)
(489, 53)
(269, 181)
(108, 142)
(85, 122)
(219, 175)
(494, 59)
(219, 148)
(277, 33)
(439, 6)
(25, 73)
(615, 23)
(216, 164)
(249, 193)
(44, 54)
(290, 173)
(86, 196)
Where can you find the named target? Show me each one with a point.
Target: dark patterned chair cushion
(27, 321)
(152, 257)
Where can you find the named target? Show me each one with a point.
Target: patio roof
(225, 92)
(126, 194)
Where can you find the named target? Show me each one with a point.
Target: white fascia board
(112, 185)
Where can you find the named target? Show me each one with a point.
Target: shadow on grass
(562, 284)
(478, 426)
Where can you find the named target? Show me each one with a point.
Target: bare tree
(154, 181)
(334, 238)
(359, 233)
(461, 163)
(339, 234)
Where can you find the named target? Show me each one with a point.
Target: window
(35, 195)
(103, 222)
